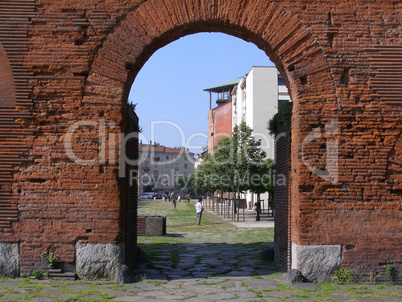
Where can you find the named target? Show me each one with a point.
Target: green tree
(203, 175)
(185, 183)
(249, 160)
(237, 164)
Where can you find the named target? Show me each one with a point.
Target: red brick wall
(75, 60)
(219, 124)
(282, 197)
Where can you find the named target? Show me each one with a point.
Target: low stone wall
(151, 225)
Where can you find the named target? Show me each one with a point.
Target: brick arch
(154, 24)
(7, 87)
(274, 29)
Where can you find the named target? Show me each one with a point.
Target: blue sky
(172, 106)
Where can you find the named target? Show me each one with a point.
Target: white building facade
(255, 100)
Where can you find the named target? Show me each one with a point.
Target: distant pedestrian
(173, 198)
(178, 197)
(199, 209)
(188, 197)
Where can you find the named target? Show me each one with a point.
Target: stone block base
(316, 262)
(9, 260)
(97, 261)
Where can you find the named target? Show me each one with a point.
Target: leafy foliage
(390, 272)
(185, 183)
(284, 116)
(342, 276)
(237, 164)
(49, 259)
(37, 274)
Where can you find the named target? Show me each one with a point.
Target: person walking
(188, 197)
(199, 209)
(173, 198)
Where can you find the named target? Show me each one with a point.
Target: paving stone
(280, 294)
(246, 294)
(23, 290)
(119, 293)
(237, 289)
(131, 288)
(265, 272)
(172, 276)
(44, 299)
(198, 299)
(259, 284)
(14, 296)
(304, 286)
(153, 293)
(340, 297)
(64, 296)
(238, 273)
(391, 298)
(390, 290)
(218, 296)
(51, 290)
(369, 299)
(268, 298)
(144, 286)
(244, 300)
(92, 297)
(79, 287)
(340, 291)
(11, 283)
(60, 283)
(106, 287)
(202, 275)
(233, 284)
(128, 299)
(205, 289)
(181, 297)
(170, 286)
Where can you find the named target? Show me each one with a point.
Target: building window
(185, 166)
(167, 156)
(167, 166)
(176, 166)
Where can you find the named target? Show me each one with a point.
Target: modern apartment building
(254, 99)
(160, 166)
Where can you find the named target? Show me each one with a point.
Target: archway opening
(170, 95)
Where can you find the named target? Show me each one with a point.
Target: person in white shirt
(199, 209)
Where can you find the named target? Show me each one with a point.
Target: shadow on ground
(204, 260)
